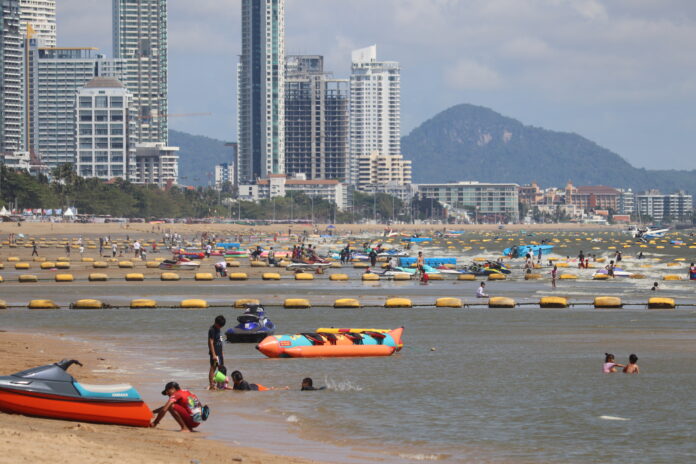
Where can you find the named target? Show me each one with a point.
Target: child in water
(632, 367)
(609, 364)
(308, 385)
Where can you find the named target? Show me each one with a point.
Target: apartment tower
(261, 90)
(375, 107)
(11, 78)
(316, 120)
(40, 15)
(140, 38)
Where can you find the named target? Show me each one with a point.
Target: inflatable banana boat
(343, 343)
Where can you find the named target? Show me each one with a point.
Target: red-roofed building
(592, 197)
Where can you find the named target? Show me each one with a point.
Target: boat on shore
(49, 391)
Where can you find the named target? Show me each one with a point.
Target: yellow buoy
(568, 277)
(87, 304)
(296, 303)
(466, 277)
(238, 276)
(26, 278)
(258, 264)
(86, 259)
(42, 304)
(553, 302)
(134, 277)
(151, 264)
(243, 302)
(304, 276)
(607, 302)
(370, 277)
(338, 277)
(62, 265)
(401, 276)
(447, 302)
(47, 265)
(497, 277)
(347, 303)
(360, 265)
(125, 264)
(203, 276)
(600, 277)
(64, 278)
(193, 304)
(501, 302)
(398, 303)
(169, 276)
(97, 277)
(100, 265)
(22, 266)
(270, 276)
(141, 303)
(232, 263)
(672, 277)
(661, 303)
(532, 276)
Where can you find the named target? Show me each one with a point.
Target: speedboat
(49, 391)
(182, 264)
(253, 326)
(332, 345)
(618, 272)
(649, 234)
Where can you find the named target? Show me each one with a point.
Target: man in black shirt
(215, 348)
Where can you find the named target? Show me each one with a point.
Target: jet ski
(253, 326)
(490, 267)
(49, 391)
(181, 264)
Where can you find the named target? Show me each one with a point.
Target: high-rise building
(375, 107)
(11, 78)
(261, 90)
(55, 76)
(140, 38)
(154, 163)
(103, 128)
(679, 205)
(375, 170)
(39, 17)
(316, 120)
(224, 174)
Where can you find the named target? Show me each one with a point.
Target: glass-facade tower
(140, 38)
(261, 90)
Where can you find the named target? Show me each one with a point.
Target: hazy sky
(619, 72)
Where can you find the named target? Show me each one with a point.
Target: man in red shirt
(183, 406)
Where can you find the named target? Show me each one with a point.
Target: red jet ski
(49, 391)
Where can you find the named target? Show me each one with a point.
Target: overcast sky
(619, 72)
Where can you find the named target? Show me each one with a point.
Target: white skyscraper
(140, 37)
(41, 15)
(11, 78)
(102, 129)
(261, 90)
(375, 107)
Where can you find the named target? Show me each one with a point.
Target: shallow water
(470, 385)
(481, 385)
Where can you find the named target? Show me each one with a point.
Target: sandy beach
(29, 440)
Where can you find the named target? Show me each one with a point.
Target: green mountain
(467, 142)
(198, 156)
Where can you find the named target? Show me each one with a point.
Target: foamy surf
(614, 418)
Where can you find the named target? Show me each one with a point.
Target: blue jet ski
(253, 326)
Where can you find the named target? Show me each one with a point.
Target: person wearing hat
(183, 405)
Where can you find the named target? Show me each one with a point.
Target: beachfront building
(626, 202)
(103, 129)
(38, 19)
(224, 174)
(375, 108)
(154, 163)
(592, 197)
(495, 201)
(278, 185)
(651, 203)
(261, 90)
(531, 194)
(18, 160)
(54, 77)
(11, 78)
(316, 120)
(679, 205)
(140, 38)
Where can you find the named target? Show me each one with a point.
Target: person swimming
(609, 364)
(632, 366)
(308, 385)
(239, 384)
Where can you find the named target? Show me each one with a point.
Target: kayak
(332, 345)
(49, 391)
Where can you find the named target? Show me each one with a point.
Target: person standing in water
(610, 366)
(215, 348)
(554, 272)
(632, 367)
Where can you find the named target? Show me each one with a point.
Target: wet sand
(28, 440)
